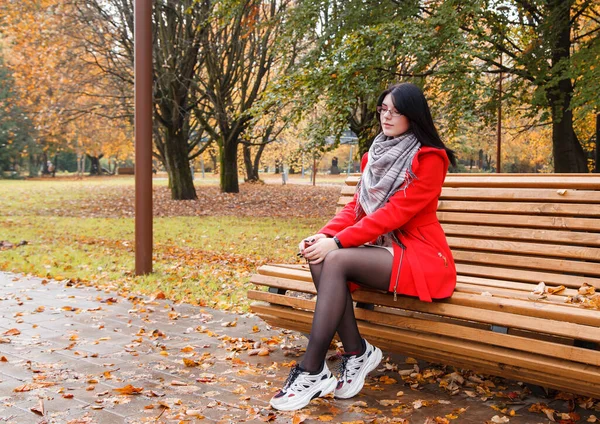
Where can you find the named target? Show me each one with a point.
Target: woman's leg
(371, 267)
(347, 329)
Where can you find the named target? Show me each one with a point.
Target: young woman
(387, 238)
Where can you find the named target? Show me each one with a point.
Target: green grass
(201, 260)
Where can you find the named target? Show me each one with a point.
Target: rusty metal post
(143, 136)
(499, 127)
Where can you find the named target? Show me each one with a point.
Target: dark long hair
(409, 100)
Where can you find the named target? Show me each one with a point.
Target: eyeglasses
(383, 110)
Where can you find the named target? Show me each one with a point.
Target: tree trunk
(95, 164)
(567, 151)
(250, 176)
(34, 165)
(178, 168)
(252, 166)
(229, 167)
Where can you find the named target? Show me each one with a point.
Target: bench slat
(533, 277)
(525, 262)
(521, 195)
(526, 221)
(557, 181)
(524, 234)
(524, 208)
(538, 252)
(485, 283)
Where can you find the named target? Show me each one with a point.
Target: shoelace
(292, 377)
(343, 369)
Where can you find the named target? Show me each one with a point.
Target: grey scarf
(388, 170)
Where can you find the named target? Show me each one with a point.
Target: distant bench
(126, 170)
(508, 233)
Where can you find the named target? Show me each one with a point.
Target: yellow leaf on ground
(129, 390)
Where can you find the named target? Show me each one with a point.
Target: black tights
(367, 266)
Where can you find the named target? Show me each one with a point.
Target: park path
(80, 355)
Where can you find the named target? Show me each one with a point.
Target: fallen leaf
(388, 402)
(299, 418)
(158, 295)
(195, 413)
(499, 420)
(554, 290)
(12, 332)
(190, 363)
(540, 288)
(129, 390)
(39, 409)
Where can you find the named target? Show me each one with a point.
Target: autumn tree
(177, 53)
(243, 45)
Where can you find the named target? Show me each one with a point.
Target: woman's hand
(317, 252)
(309, 241)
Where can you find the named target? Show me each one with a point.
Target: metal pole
(143, 136)
(350, 160)
(499, 129)
(597, 166)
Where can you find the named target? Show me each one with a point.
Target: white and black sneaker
(301, 387)
(354, 370)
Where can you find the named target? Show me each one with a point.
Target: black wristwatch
(339, 244)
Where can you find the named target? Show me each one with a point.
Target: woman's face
(392, 126)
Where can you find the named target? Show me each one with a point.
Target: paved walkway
(80, 355)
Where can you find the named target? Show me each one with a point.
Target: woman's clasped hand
(316, 247)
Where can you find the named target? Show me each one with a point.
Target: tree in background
(244, 47)
(549, 48)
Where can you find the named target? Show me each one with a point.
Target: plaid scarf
(388, 170)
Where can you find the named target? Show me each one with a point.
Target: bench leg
(499, 329)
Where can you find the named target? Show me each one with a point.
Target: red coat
(425, 267)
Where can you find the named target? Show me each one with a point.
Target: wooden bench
(508, 233)
(126, 170)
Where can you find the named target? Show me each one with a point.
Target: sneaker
(354, 370)
(301, 387)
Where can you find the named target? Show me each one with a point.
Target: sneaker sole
(326, 387)
(377, 356)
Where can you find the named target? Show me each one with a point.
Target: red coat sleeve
(347, 216)
(401, 207)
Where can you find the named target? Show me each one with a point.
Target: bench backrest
(520, 229)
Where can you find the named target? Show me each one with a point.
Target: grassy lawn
(74, 232)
